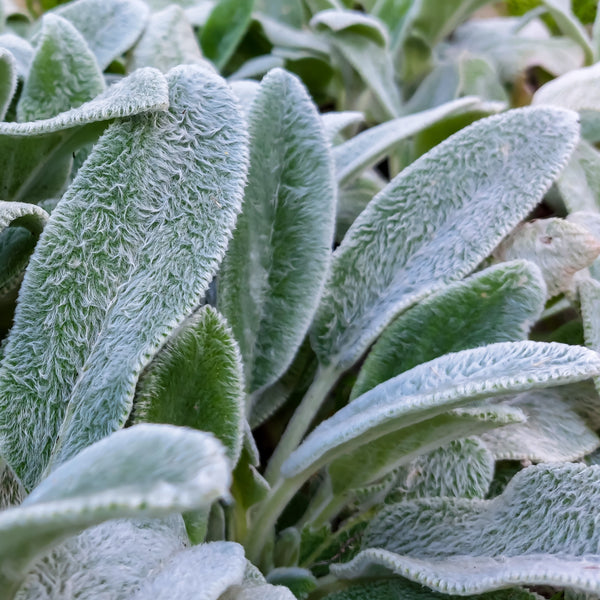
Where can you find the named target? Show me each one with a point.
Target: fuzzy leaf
(273, 274)
(369, 147)
(168, 41)
(224, 29)
(436, 221)
(334, 122)
(167, 189)
(553, 431)
(63, 74)
(110, 27)
(435, 387)
(196, 380)
(21, 50)
(558, 247)
(540, 531)
(152, 470)
(499, 304)
(299, 581)
(579, 183)
(35, 157)
(8, 80)
(462, 469)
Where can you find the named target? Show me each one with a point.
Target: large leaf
(436, 221)
(196, 380)
(168, 41)
(35, 157)
(369, 147)
(434, 388)
(110, 27)
(148, 470)
(165, 189)
(540, 531)
(499, 304)
(271, 280)
(63, 74)
(224, 29)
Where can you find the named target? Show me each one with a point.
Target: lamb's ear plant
(264, 352)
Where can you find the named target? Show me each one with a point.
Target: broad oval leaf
(472, 546)
(147, 470)
(168, 41)
(63, 73)
(166, 188)
(499, 304)
(438, 386)
(436, 221)
(110, 27)
(196, 380)
(273, 274)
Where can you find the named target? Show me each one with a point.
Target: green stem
(269, 510)
(325, 379)
(321, 498)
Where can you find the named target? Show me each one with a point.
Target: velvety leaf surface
(558, 247)
(8, 80)
(553, 431)
(433, 388)
(579, 183)
(436, 221)
(369, 147)
(539, 531)
(63, 74)
(499, 304)
(273, 274)
(152, 470)
(196, 380)
(168, 41)
(110, 27)
(334, 122)
(224, 29)
(21, 50)
(166, 188)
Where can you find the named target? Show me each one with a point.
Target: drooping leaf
(196, 380)
(499, 304)
(36, 157)
(148, 470)
(63, 74)
(21, 50)
(8, 80)
(362, 41)
(272, 276)
(168, 41)
(433, 388)
(403, 589)
(553, 431)
(444, 207)
(334, 122)
(369, 147)
(224, 29)
(558, 247)
(110, 27)
(169, 221)
(20, 227)
(539, 531)
(462, 469)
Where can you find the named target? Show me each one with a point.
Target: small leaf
(110, 27)
(148, 470)
(21, 50)
(438, 386)
(499, 304)
(224, 29)
(558, 247)
(168, 41)
(510, 540)
(301, 582)
(8, 80)
(369, 147)
(168, 220)
(272, 276)
(63, 74)
(196, 380)
(553, 431)
(444, 207)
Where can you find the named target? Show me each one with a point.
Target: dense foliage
(299, 299)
